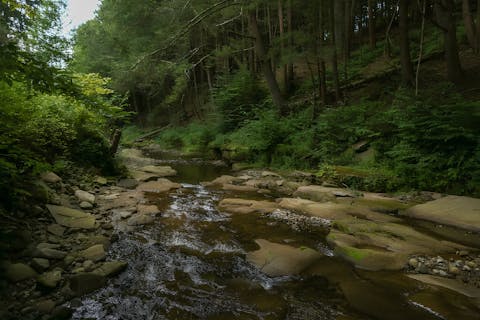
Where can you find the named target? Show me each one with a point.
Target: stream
(190, 264)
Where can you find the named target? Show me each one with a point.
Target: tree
(405, 60)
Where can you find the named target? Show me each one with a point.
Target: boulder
(382, 245)
(101, 180)
(160, 171)
(451, 284)
(140, 219)
(159, 186)
(94, 253)
(45, 306)
(86, 205)
(142, 176)
(111, 268)
(84, 196)
(237, 188)
(322, 194)
(460, 212)
(243, 206)
(50, 279)
(56, 229)
(278, 259)
(16, 272)
(128, 183)
(50, 177)
(84, 283)
(220, 181)
(40, 264)
(72, 218)
(147, 209)
(48, 251)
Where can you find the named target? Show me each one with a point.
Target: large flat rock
(451, 284)
(460, 212)
(246, 206)
(72, 218)
(159, 186)
(160, 171)
(278, 259)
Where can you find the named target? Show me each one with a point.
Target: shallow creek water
(190, 264)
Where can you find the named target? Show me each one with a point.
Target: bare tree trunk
(478, 26)
(282, 43)
(334, 52)
(291, 71)
(277, 97)
(420, 53)
(405, 61)
(470, 29)
(444, 10)
(321, 69)
(371, 23)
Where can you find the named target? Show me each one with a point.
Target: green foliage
(193, 138)
(237, 98)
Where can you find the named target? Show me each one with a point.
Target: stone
(101, 180)
(140, 219)
(160, 171)
(413, 263)
(86, 205)
(45, 306)
(84, 283)
(40, 264)
(50, 177)
(128, 183)
(16, 272)
(142, 176)
(270, 174)
(279, 259)
(456, 211)
(237, 188)
(322, 194)
(62, 313)
(243, 206)
(50, 279)
(220, 181)
(85, 196)
(147, 209)
(451, 284)
(94, 253)
(56, 229)
(111, 268)
(88, 265)
(42, 251)
(453, 269)
(72, 218)
(159, 186)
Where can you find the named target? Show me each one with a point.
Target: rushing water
(191, 264)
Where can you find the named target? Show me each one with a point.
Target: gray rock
(94, 253)
(72, 218)
(40, 264)
(16, 272)
(45, 306)
(50, 279)
(88, 265)
(84, 283)
(413, 263)
(128, 183)
(86, 205)
(111, 268)
(140, 219)
(50, 177)
(45, 252)
(56, 229)
(85, 196)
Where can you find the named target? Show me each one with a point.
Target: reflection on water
(191, 264)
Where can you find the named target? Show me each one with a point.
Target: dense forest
(385, 91)
(298, 84)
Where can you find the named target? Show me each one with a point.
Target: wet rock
(460, 212)
(56, 229)
(45, 306)
(84, 283)
(451, 284)
(84, 196)
(111, 268)
(128, 183)
(140, 219)
(86, 205)
(48, 252)
(146, 209)
(322, 194)
(278, 259)
(101, 180)
(237, 188)
(160, 171)
(72, 218)
(88, 265)
(62, 313)
(159, 186)
(40, 264)
(220, 181)
(16, 272)
(413, 263)
(50, 279)
(270, 174)
(453, 269)
(50, 177)
(94, 253)
(141, 176)
(107, 226)
(243, 206)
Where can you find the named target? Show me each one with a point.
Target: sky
(78, 12)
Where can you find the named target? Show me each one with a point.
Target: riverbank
(284, 226)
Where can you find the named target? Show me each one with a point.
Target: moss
(353, 253)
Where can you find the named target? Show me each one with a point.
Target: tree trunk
(336, 79)
(277, 97)
(405, 61)
(291, 71)
(444, 10)
(281, 30)
(371, 23)
(469, 25)
(478, 26)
